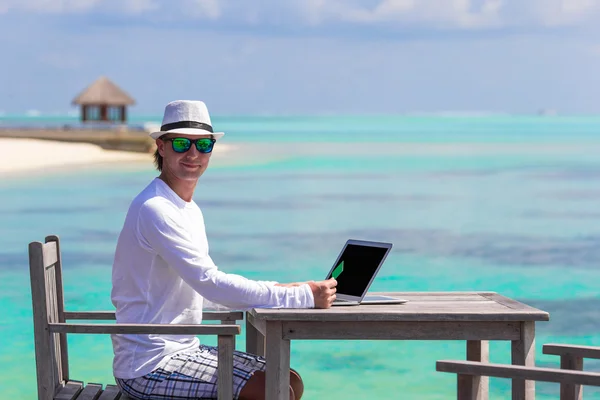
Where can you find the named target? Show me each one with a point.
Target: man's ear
(160, 145)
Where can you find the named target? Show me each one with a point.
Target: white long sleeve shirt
(162, 273)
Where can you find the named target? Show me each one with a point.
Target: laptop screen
(355, 268)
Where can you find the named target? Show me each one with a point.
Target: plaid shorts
(191, 375)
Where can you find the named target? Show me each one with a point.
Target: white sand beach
(25, 156)
(31, 155)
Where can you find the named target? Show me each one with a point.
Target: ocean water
(497, 203)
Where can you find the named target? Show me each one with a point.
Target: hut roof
(103, 91)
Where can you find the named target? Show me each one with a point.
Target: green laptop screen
(355, 268)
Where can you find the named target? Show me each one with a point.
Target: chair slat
(111, 392)
(91, 391)
(46, 382)
(60, 307)
(69, 391)
(50, 254)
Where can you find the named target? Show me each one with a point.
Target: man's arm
(158, 226)
(294, 284)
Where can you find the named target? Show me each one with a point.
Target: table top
(421, 306)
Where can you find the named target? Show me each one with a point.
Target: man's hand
(323, 292)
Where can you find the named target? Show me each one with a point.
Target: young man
(162, 272)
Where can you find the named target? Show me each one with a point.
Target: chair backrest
(51, 357)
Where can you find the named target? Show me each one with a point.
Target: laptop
(355, 269)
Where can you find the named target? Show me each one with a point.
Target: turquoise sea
(491, 203)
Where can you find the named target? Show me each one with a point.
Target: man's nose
(193, 152)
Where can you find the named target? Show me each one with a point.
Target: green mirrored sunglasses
(181, 144)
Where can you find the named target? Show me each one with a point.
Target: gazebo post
(83, 113)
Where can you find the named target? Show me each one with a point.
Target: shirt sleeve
(165, 235)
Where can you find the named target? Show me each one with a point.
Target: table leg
(278, 363)
(475, 387)
(255, 341)
(523, 353)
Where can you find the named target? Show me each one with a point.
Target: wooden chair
(570, 375)
(50, 328)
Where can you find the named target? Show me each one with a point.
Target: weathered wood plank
(402, 330)
(110, 315)
(222, 315)
(60, 309)
(255, 340)
(580, 351)
(570, 391)
(69, 391)
(474, 307)
(475, 387)
(519, 372)
(171, 329)
(226, 345)
(91, 391)
(571, 357)
(91, 315)
(50, 254)
(464, 387)
(278, 367)
(374, 315)
(469, 294)
(523, 353)
(43, 348)
(110, 392)
(514, 305)
(259, 324)
(55, 350)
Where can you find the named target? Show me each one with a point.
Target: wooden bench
(50, 332)
(570, 375)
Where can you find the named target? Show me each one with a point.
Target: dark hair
(158, 160)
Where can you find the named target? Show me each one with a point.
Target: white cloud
(440, 13)
(453, 13)
(564, 12)
(57, 6)
(426, 14)
(204, 9)
(140, 6)
(78, 6)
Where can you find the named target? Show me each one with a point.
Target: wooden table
(476, 317)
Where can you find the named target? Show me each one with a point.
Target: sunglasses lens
(181, 145)
(204, 145)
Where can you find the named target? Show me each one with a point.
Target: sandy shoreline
(25, 156)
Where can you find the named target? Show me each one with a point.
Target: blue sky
(306, 56)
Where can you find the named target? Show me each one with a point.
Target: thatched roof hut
(103, 101)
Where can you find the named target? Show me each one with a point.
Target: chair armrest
(165, 329)
(572, 350)
(110, 315)
(519, 372)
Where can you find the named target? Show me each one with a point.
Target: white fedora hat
(186, 117)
